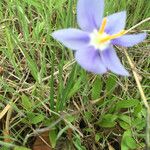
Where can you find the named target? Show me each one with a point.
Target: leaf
(139, 123)
(26, 102)
(75, 88)
(62, 131)
(21, 148)
(37, 119)
(127, 141)
(96, 88)
(111, 84)
(124, 125)
(77, 143)
(127, 104)
(53, 138)
(35, 3)
(38, 29)
(30, 61)
(88, 115)
(137, 109)
(125, 118)
(98, 137)
(71, 118)
(4, 148)
(24, 21)
(10, 51)
(108, 121)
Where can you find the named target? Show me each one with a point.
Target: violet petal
(112, 62)
(116, 22)
(129, 40)
(89, 14)
(74, 39)
(90, 60)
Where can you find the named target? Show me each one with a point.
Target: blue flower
(93, 44)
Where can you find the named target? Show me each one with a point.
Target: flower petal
(116, 22)
(72, 38)
(112, 62)
(129, 40)
(89, 14)
(90, 60)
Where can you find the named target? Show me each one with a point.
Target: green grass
(48, 90)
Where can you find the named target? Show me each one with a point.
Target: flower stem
(143, 21)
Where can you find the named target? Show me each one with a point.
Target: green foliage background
(47, 89)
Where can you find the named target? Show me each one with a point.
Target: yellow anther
(114, 36)
(102, 29)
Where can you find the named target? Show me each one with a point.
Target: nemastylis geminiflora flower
(93, 42)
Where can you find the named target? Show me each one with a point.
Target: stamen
(102, 29)
(114, 36)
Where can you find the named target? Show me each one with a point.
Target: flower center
(100, 39)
